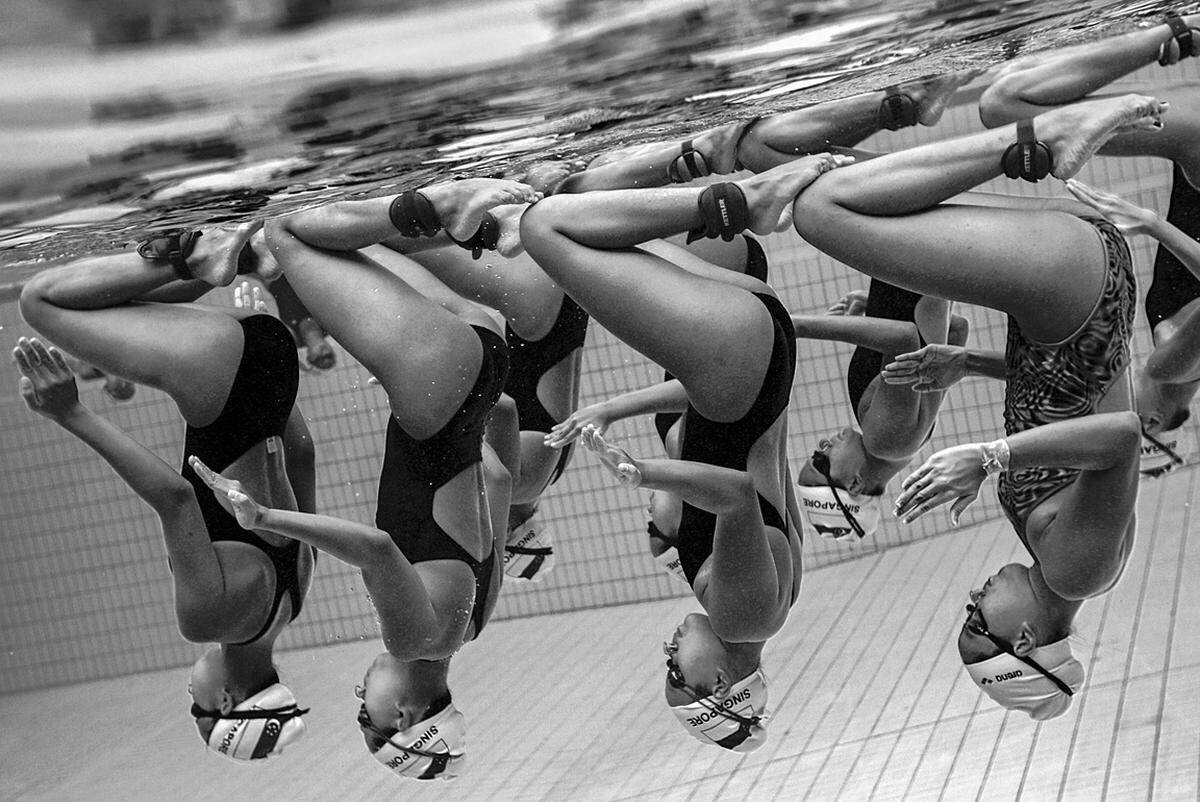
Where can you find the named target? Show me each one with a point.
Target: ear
(1025, 642)
(225, 703)
(722, 685)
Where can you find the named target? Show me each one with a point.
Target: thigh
(1007, 259)
(190, 352)
(715, 336)
(386, 325)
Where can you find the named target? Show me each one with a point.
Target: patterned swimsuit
(1048, 383)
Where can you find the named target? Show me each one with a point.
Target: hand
(952, 474)
(595, 415)
(932, 369)
(852, 304)
(617, 460)
(1121, 213)
(231, 495)
(47, 383)
(249, 296)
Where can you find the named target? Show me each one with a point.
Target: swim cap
(669, 561)
(269, 721)
(431, 748)
(1016, 685)
(737, 722)
(1156, 461)
(528, 554)
(821, 515)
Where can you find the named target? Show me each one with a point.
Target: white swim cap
(1016, 685)
(1156, 460)
(257, 728)
(821, 514)
(670, 562)
(435, 747)
(737, 722)
(528, 553)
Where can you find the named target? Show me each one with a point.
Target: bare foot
(770, 193)
(852, 304)
(214, 259)
(509, 218)
(545, 176)
(1074, 133)
(267, 266)
(933, 95)
(461, 204)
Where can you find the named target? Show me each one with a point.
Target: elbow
(1129, 433)
(739, 493)
(172, 500)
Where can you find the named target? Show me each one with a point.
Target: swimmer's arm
(396, 588)
(877, 334)
(989, 364)
(743, 592)
(668, 396)
(1091, 443)
(199, 580)
(155, 482)
(1177, 359)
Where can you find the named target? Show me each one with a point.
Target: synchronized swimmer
(481, 363)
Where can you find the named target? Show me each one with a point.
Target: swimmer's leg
(780, 138)
(882, 217)
(350, 225)
(714, 340)
(381, 320)
(89, 308)
(1030, 86)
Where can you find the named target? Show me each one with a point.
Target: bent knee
(35, 303)
(816, 208)
(280, 236)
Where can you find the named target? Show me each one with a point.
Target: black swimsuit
(258, 406)
(757, 267)
(1174, 285)
(414, 469)
(887, 302)
(728, 445)
(1060, 381)
(529, 360)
